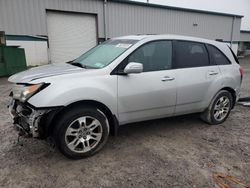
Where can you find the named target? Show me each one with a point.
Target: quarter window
(190, 54)
(154, 56)
(216, 56)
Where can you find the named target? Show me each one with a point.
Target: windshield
(103, 54)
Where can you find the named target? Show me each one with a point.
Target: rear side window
(190, 54)
(217, 57)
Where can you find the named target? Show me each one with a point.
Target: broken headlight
(24, 92)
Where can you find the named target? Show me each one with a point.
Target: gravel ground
(172, 152)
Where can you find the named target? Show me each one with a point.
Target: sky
(241, 7)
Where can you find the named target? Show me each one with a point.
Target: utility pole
(105, 18)
(232, 33)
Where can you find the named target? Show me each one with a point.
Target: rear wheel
(81, 132)
(219, 109)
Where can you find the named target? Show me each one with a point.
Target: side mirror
(133, 67)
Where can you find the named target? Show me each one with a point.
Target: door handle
(213, 73)
(167, 78)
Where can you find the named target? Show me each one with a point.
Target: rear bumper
(237, 94)
(237, 97)
(28, 120)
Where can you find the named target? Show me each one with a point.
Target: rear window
(217, 57)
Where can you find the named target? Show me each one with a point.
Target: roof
(166, 37)
(244, 31)
(175, 8)
(133, 37)
(26, 38)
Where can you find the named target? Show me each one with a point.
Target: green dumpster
(12, 60)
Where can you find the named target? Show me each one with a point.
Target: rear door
(195, 76)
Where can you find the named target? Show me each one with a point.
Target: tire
(81, 132)
(213, 113)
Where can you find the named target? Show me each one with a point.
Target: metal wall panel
(236, 29)
(245, 36)
(28, 17)
(126, 19)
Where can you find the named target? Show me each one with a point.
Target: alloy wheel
(83, 134)
(221, 108)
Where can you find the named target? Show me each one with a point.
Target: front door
(152, 93)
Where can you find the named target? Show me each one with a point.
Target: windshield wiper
(77, 64)
(82, 66)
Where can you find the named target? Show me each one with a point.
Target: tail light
(241, 72)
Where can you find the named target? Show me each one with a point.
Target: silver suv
(124, 80)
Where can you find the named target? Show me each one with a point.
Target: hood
(44, 71)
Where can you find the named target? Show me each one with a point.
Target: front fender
(103, 90)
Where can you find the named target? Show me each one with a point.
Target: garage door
(70, 35)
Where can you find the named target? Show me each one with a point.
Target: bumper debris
(26, 119)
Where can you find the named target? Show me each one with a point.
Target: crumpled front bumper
(26, 119)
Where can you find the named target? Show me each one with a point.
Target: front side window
(216, 56)
(103, 54)
(190, 54)
(154, 56)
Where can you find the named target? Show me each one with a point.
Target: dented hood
(44, 71)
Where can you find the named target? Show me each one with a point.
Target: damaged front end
(30, 121)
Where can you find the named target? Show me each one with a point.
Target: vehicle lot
(172, 152)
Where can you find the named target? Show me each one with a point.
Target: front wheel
(81, 132)
(219, 109)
